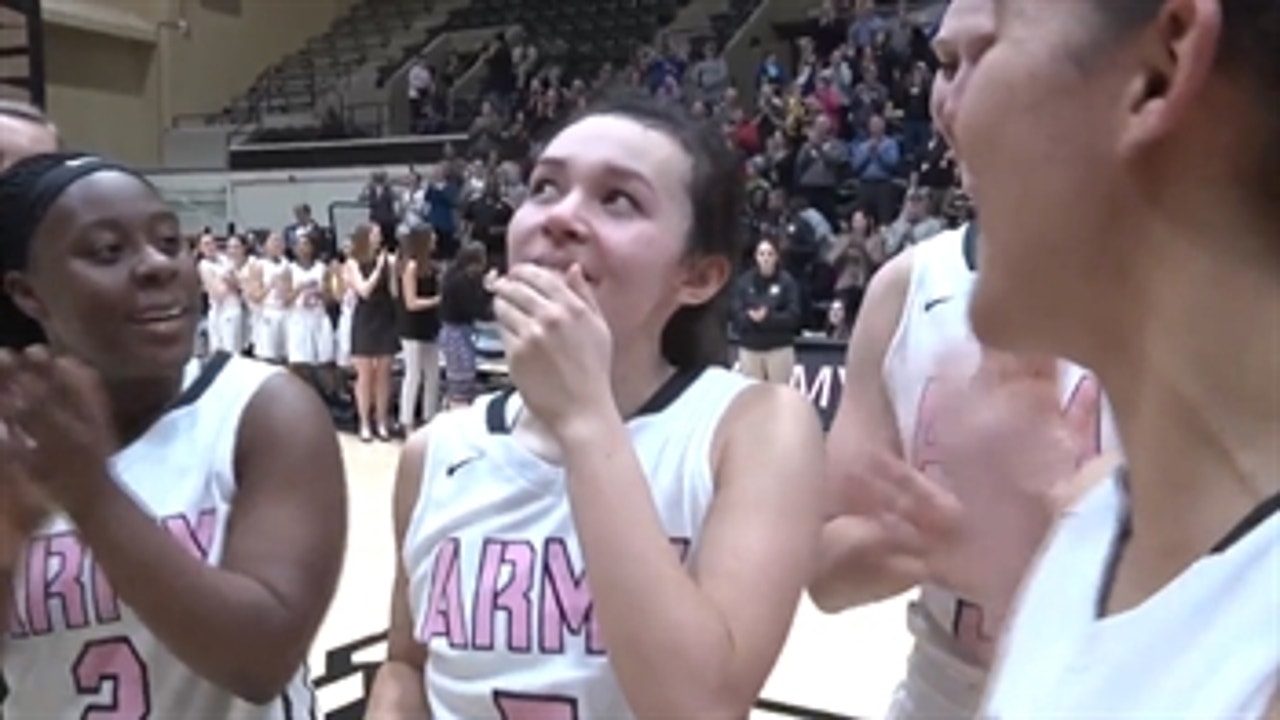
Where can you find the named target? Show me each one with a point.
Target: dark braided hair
(17, 329)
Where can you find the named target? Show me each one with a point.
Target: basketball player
(913, 327)
(308, 330)
(183, 523)
(626, 459)
(1125, 158)
(225, 318)
(269, 283)
(24, 130)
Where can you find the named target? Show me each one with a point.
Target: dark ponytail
(17, 329)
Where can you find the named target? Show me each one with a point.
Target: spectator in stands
(917, 222)
(440, 197)
(912, 102)
(486, 216)
(500, 72)
(304, 225)
(485, 134)
(839, 322)
(384, 206)
(935, 166)
(710, 75)
(820, 164)
(865, 26)
(766, 316)
(850, 258)
(877, 161)
(828, 31)
(870, 99)
(464, 301)
(771, 72)
(421, 88)
(24, 130)
(524, 58)
(414, 208)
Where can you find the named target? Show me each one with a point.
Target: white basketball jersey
(308, 283)
(1207, 645)
(273, 274)
(497, 585)
(218, 274)
(74, 649)
(934, 327)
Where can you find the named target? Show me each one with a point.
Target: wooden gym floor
(846, 664)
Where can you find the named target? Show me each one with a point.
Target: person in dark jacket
(464, 300)
(766, 315)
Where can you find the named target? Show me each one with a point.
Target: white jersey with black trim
(934, 328)
(497, 587)
(1207, 645)
(74, 649)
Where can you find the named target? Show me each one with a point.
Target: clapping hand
(58, 427)
(1006, 449)
(559, 347)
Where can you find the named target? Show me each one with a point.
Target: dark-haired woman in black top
(419, 327)
(465, 301)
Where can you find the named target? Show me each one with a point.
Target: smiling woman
(177, 560)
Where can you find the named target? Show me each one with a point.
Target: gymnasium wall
(121, 71)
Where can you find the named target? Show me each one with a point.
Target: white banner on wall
(260, 199)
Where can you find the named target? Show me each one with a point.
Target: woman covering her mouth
(174, 528)
(626, 532)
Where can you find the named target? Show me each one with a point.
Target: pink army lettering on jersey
(545, 598)
(65, 589)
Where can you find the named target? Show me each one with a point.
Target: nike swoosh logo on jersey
(449, 471)
(931, 304)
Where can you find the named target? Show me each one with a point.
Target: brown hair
(1248, 50)
(361, 249)
(419, 246)
(472, 256)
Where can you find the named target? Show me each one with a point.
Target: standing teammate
(626, 460)
(269, 283)
(913, 326)
(1125, 157)
(225, 321)
(308, 329)
(181, 523)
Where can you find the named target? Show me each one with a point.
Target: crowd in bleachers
(844, 168)
(842, 164)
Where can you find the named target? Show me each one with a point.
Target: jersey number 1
(520, 706)
(113, 663)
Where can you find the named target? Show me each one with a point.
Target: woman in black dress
(370, 272)
(419, 326)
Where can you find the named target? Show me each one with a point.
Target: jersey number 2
(116, 665)
(519, 706)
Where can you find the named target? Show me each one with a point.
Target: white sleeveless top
(308, 283)
(218, 273)
(496, 577)
(244, 275)
(74, 648)
(1205, 646)
(273, 273)
(935, 323)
